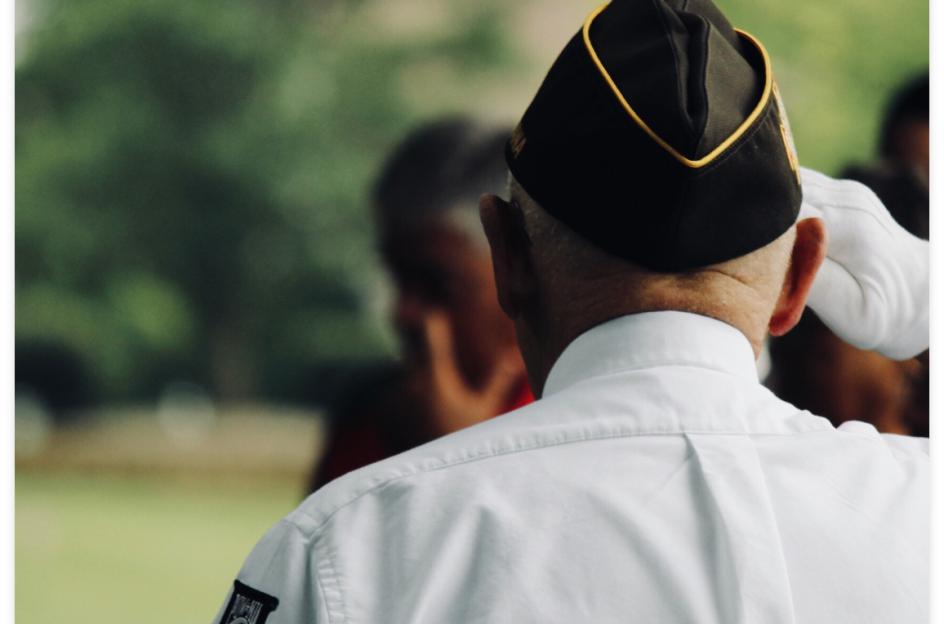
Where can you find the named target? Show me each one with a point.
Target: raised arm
(873, 288)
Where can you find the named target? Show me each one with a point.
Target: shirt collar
(649, 339)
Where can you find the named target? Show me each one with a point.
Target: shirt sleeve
(278, 583)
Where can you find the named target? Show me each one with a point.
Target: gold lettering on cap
(786, 134)
(517, 141)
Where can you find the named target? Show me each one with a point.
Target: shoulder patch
(248, 606)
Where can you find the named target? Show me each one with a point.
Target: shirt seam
(644, 366)
(775, 523)
(332, 606)
(315, 532)
(339, 607)
(283, 544)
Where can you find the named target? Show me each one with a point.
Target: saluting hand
(873, 288)
(448, 399)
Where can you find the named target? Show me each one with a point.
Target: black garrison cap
(658, 135)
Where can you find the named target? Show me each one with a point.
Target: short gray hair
(566, 258)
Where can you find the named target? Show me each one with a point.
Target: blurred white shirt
(655, 481)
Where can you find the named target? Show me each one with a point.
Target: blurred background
(196, 269)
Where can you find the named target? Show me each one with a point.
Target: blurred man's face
(440, 268)
(912, 145)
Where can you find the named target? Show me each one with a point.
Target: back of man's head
(654, 170)
(568, 263)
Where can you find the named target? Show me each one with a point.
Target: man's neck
(580, 314)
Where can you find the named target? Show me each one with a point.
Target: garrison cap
(658, 135)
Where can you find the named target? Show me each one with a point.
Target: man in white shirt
(655, 480)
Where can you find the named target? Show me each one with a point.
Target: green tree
(191, 183)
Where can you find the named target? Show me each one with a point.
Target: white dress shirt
(655, 481)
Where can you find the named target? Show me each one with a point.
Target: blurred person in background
(815, 369)
(900, 176)
(460, 361)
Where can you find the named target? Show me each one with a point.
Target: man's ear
(809, 251)
(511, 255)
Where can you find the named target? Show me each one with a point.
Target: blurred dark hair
(439, 167)
(899, 185)
(909, 103)
(903, 193)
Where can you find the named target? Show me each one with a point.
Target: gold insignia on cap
(787, 134)
(518, 140)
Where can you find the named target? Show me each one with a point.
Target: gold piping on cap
(724, 145)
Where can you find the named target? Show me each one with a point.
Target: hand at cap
(873, 288)
(450, 402)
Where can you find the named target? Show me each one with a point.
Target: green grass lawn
(136, 548)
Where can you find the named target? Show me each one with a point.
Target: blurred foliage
(191, 184)
(837, 63)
